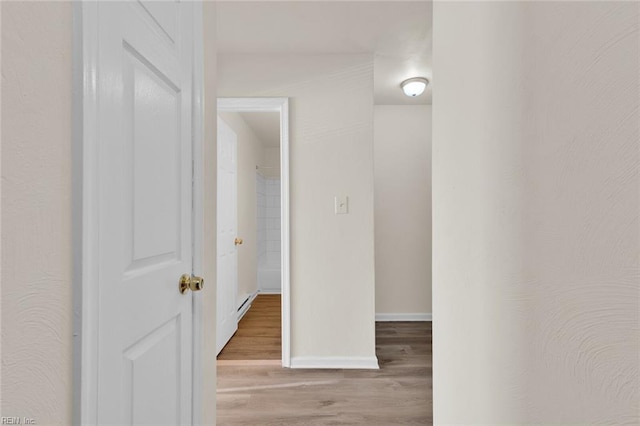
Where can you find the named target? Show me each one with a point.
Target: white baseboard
(403, 317)
(270, 291)
(247, 305)
(370, 363)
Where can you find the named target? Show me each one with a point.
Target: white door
(227, 311)
(144, 120)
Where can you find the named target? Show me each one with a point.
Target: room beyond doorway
(260, 157)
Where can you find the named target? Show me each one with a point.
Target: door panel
(227, 311)
(151, 354)
(145, 212)
(165, 16)
(152, 127)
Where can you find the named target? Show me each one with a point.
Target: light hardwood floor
(400, 393)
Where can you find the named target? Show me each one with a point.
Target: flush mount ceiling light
(414, 86)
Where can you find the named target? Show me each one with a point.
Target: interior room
(256, 299)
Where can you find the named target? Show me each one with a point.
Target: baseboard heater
(246, 304)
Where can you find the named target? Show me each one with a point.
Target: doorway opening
(253, 231)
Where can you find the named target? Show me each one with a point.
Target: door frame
(85, 218)
(280, 105)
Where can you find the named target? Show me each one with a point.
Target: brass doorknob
(190, 282)
(238, 241)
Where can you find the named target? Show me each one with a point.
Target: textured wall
(536, 203)
(332, 260)
(402, 146)
(36, 211)
(250, 153)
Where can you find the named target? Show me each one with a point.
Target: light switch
(342, 205)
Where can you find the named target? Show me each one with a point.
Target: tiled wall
(261, 217)
(268, 192)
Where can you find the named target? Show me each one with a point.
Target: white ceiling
(397, 32)
(266, 126)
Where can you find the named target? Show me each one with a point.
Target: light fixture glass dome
(414, 86)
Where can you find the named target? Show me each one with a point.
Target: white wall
(36, 211)
(332, 262)
(535, 212)
(271, 162)
(402, 171)
(250, 154)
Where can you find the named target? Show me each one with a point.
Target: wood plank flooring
(259, 332)
(400, 393)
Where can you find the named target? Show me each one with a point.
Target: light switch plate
(342, 205)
